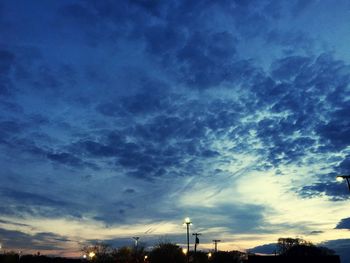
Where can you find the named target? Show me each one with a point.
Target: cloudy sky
(121, 118)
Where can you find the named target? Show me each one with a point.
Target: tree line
(166, 252)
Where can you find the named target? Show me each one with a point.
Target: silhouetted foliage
(293, 259)
(123, 255)
(200, 257)
(284, 244)
(105, 254)
(14, 258)
(9, 258)
(227, 257)
(129, 255)
(167, 252)
(296, 247)
(102, 252)
(308, 250)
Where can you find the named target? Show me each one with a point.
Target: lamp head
(340, 178)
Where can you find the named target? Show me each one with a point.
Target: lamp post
(136, 242)
(188, 223)
(341, 178)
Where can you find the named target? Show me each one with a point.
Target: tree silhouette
(227, 257)
(123, 255)
(299, 247)
(102, 252)
(167, 252)
(308, 250)
(284, 244)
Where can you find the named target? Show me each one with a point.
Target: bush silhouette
(167, 252)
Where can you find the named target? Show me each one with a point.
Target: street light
(136, 242)
(341, 178)
(188, 223)
(91, 254)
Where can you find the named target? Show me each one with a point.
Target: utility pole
(216, 241)
(196, 241)
(195, 244)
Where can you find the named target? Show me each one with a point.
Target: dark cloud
(40, 241)
(344, 166)
(343, 224)
(288, 68)
(240, 218)
(298, 97)
(290, 41)
(12, 223)
(169, 120)
(23, 203)
(316, 232)
(18, 142)
(164, 41)
(334, 190)
(9, 128)
(265, 249)
(117, 212)
(341, 247)
(150, 101)
(7, 60)
(299, 6)
(129, 191)
(336, 131)
(95, 149)
(65, 158)
(30, 198)
(205, 60)
(9, 106)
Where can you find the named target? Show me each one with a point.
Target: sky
(121, 118)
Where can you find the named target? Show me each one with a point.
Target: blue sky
(122, 118)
